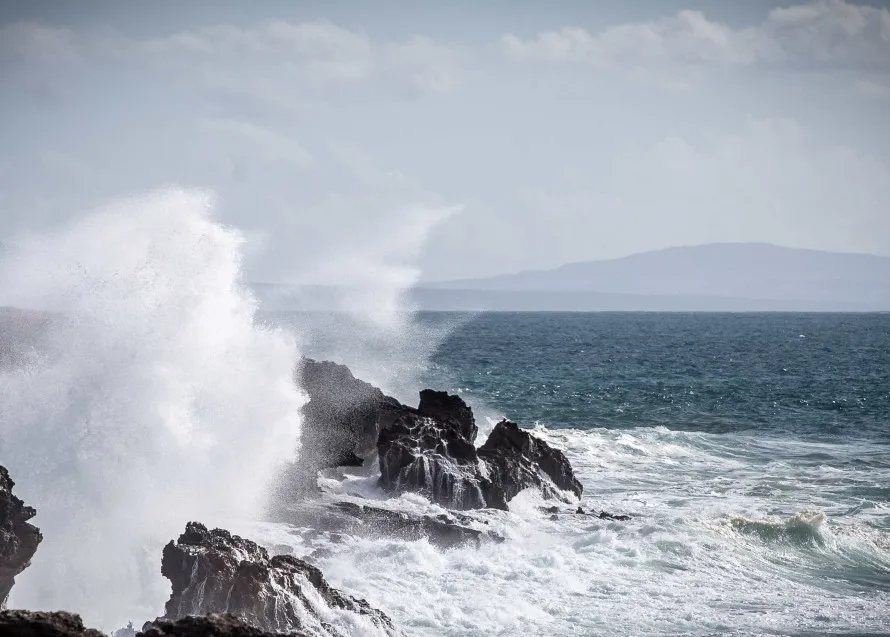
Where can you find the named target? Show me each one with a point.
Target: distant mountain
(717, 277)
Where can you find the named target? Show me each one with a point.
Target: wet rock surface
(18, 538)
(518, 460)
(432, 456)
(429, 450)
(445, 530)
(213, 571)
(341, 424)
(23, 623)
(211, 625)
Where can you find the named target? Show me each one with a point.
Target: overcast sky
(464, 141)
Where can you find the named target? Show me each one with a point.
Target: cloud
(278, 62)
(831, 33)
(39, 44)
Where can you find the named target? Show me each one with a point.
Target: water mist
(150, 399)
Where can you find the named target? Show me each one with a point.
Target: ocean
(751, 450)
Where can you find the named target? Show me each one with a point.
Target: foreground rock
(18, 538)
(23, 623)
(213, 625)
(217, 572)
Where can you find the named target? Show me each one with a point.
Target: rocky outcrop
(446, 530)
(433, 452)
(341, 424)
(217, 572)
(518, 460)
(433, 456)
(23, 623)
(429, 450)
(18, 538)
(212, 625)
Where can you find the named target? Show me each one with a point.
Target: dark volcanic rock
(445, 530)
(433, 456)
(517, 460)
(217, 572)
(24, 623)
(341, 424)
(428, 450)
(212, 625)
(18, 538)
(451, 411)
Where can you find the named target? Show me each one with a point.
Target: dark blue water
(819, 376)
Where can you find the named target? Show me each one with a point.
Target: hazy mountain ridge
(737, 276)
(712, 277)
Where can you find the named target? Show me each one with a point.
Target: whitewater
(151, 392)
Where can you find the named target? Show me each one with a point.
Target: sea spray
(373, 326)
(150, 399)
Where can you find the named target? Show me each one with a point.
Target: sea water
(752, 452)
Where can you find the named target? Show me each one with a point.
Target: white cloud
(38, 43)
(277, 61)
(826, 32)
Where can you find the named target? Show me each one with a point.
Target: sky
(456, 139)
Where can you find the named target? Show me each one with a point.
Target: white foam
(679, 567)
(155, 400)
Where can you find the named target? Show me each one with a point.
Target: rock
(434, 457)
(217, 572)
(444, 531)
(24, 623)
(450, 411)
(18, 538)
(617, 518)
(212, 625)
(429, 450)
(341, 424)
(518, 460)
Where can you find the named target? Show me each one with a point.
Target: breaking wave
(150, 397)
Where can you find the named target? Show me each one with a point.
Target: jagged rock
(429, 450)
(18, 538)
(212, 625)
(344, 517)
(433, 456)
(451, 411)
(217, 572)
(430, 453)
(341, 424)
(518, 460)
(604, 515)
(24, 623)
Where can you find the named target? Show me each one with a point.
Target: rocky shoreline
(224, 585)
